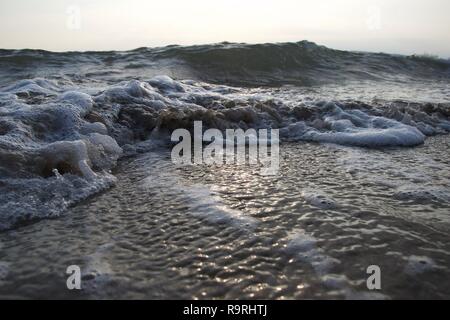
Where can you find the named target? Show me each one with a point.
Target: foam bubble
(24, 200)
(81, 101)
(396, 136)
(318, 199)
(355, 128)
(418, 265)
(30, 87)
(422, 194)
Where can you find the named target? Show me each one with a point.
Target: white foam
(74, 154)
(96, 127)
(376, 132)
(304, 247)
(204, 204)
(33, 86)
(43, 130)
(165, 83)
(421, 193)
(418, 265)
(395, 136)
(82, 101)
(24, 200)
(318, 199)
(105, 152)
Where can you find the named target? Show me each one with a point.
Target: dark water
(86, 176)
(301, 63)
(228, 232)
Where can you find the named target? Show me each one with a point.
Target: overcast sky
(396, 26)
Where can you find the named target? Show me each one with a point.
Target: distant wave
(301, 63)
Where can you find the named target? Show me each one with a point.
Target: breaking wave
(301, 63)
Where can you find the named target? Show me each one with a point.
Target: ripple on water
(228, 232)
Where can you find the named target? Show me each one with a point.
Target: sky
(393, 26)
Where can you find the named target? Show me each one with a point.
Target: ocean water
(86, 176)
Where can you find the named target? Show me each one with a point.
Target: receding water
(228, 232)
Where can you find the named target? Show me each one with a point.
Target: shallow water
(228, 232)
(85, 145)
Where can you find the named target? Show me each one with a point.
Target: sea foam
(49, 126)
